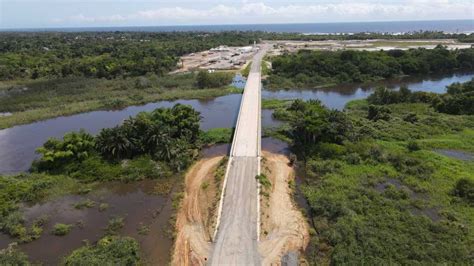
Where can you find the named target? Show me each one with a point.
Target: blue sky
(92, 13)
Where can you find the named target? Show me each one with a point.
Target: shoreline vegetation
(377, 185)
(315, 69)
(37, 100)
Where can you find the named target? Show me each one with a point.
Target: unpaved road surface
(236, 242)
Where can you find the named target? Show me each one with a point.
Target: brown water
(18, 144)
(135, 202)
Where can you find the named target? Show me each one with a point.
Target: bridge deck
(236, 242)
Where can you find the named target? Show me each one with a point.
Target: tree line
(317, 68)
(104, 54)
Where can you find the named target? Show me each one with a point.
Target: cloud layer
(260, 12)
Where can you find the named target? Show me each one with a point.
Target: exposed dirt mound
(194, 223)
(283, 228)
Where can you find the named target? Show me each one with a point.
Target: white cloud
(260, 12)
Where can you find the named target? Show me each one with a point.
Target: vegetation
(217, 135)
(458, 100)
(320, 68)
(159, 144)
(215, 80)
(30, 101)
(12, 256)
(156, 143)
(28, 188)
(114, 225)
(104, 54)
(378, 192)
(110, 250)
(61, 229)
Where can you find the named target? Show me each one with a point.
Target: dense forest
(319, 68)
(124, 54)
(379, 187)
(103, 54)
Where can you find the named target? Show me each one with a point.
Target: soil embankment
(195, 221)
(284, 229)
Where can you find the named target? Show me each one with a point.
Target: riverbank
(47, 101)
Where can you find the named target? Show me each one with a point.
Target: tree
(75, 146)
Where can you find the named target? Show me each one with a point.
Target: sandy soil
(284, 228)
(284, 224)
(192, 245)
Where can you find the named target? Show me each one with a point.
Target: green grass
(217, 135)
(275, 103)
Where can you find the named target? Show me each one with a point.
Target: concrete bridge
(238, 226)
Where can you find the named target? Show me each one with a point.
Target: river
(18, 144)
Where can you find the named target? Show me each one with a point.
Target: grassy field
(30, 101)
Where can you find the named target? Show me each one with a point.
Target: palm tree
(113, 143)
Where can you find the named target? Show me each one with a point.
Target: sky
(105, 13)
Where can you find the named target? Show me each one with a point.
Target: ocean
(448, 26)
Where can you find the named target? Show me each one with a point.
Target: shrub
(213, 80)
(109, 250)
(114, 225)
(413, 145)
(61, 229)
(56, 154)
(12, 256)
(330, 150)
(464, 189)
(378, 113)
(264, 181)
(317, 168)
(410, 118)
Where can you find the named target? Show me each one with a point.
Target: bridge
(238, 222)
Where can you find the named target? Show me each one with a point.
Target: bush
(410, 118)
(114, 225)
(317, 168)
(12, 256)
(213, 80)
(464, 189)
(109, 250)
(378, 113)
(413, 145)
(61, 229)
(56, 154)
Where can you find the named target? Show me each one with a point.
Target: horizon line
(225, 24)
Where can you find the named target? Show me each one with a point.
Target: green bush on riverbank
(372, 199)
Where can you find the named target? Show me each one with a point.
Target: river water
(18, 144)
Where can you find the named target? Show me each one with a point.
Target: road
(236, 241)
